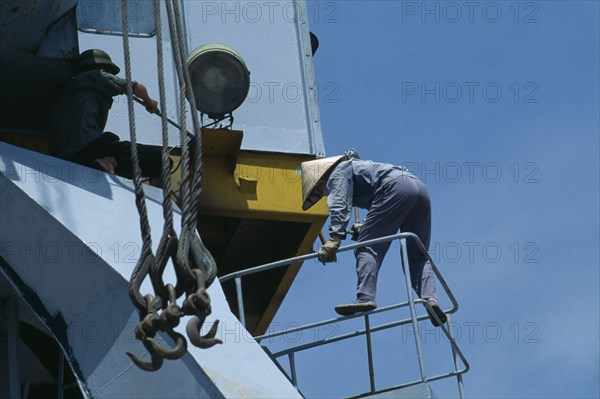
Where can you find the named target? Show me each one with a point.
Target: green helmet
(91, 58)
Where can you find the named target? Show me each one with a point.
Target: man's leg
(97, 154)
(419, 223)
(150, 160)
(421, 273)
(148, 156)
(391, 205)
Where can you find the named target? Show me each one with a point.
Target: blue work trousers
(400, 203)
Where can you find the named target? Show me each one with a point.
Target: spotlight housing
(220, 80)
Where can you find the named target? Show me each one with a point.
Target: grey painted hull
(69, 241)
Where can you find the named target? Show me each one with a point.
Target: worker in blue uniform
(396, 200)
(80, 115)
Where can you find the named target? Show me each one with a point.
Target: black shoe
(356, 306)
(438, 311)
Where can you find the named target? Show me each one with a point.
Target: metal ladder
(368, 330)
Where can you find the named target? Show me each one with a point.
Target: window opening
(104, 17)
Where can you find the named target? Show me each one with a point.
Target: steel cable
(192, 262)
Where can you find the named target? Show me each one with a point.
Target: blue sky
(495, 105)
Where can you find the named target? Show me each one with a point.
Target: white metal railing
(368, 330)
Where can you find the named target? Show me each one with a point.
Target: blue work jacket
(354, 183)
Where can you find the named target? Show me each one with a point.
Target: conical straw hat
(314, 176)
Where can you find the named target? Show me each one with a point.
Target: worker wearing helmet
(81, 112)
(396, 200)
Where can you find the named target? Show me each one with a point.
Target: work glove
(327, 252)
(355, 230)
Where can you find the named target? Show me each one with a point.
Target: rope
(197, 174)
(185, 199)
(194, 265)
(142, 267)
(192, 254)
(168, 228)
(185, 187)
(166, 170)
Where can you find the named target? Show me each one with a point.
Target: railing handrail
(381, 327)
(345, 318)
(402, 237)
(302, 258)
(330, 321)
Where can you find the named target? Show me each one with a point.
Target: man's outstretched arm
(140, 91)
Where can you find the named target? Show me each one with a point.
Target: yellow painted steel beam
(262, 183)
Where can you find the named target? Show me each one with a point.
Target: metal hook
(198, 304)
(150, 323)
(145, 330)
(156, 360)
(171, 354)
(202, 341)
(169, 319)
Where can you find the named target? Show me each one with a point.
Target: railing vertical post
(293, 369)
(9, 345)
(240, 300)
(411, 304)
(459, 380)
(60, 379)
(25, 393)
(370, 353)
